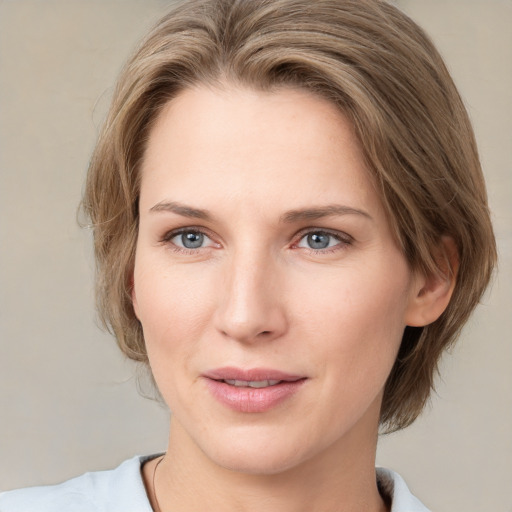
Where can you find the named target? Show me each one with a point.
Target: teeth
(252, 383)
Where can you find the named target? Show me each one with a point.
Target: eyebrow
(181, 209)
(306, 214)
(302, 214)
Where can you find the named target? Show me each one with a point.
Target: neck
(340, 479)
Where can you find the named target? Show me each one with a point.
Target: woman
(290, 227)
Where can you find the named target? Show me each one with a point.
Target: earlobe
(433, 292)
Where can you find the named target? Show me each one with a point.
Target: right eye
(188, 240)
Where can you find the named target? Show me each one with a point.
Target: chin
(265, 456)
(258, 463)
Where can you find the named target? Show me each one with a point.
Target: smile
(252, 391)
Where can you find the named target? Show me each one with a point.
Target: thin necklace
(154, 488)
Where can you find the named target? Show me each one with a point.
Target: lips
(252, 391)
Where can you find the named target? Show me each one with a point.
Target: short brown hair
(384, 74)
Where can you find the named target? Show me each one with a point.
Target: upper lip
(250, 375)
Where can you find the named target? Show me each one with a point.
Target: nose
(250, 306)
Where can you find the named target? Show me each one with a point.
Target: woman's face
(271, 292)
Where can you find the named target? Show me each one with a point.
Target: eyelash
(166, 239)
(343, 238)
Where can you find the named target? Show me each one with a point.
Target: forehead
(283, 147)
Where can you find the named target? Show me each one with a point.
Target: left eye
(319, 240)
(190, 240)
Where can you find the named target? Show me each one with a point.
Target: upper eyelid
(168, 235)
(341, 235)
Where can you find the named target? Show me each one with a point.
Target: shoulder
(394, 486)
(120, 489)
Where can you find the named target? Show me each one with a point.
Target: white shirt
(122, 490)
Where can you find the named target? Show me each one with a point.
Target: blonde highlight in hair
(384, 74)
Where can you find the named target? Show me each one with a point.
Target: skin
(255, 294)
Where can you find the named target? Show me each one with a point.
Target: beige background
(68, 401)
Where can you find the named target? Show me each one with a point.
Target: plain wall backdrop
(68, 400)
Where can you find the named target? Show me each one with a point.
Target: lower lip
(245, 399)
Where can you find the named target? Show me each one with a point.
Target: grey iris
(318, 240)
(192, 240)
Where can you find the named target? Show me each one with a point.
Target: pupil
(318, 240)
(192, 240)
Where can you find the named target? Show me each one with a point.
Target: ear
(433, 292)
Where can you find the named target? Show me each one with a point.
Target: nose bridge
(249, 305)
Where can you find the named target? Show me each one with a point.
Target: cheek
(360, 313)
(164, 304)
(169, 297)
(171, 309)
